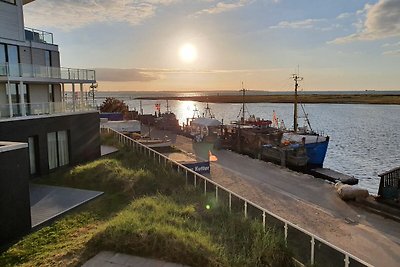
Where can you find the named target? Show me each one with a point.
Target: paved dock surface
(304, 200)
(48, 202)
(112, 259)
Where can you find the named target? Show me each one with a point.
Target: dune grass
(147, 211)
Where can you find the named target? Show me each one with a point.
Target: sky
(137, 44)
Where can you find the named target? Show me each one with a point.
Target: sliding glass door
(58, 149)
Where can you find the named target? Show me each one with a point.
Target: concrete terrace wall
(39, 93)
(15, 214)
(83, 129)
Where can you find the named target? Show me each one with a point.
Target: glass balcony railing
(47, 108)
(38, 71)
(38, 36)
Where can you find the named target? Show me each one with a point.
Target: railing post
(263, 220)
(230, 201)
(346, 260)
(286, 232)
(205, 187)
(195, 180)
(245, 209)
(216, 193)
(312, 250)
(186, 177)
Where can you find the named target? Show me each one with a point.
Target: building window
(58, 149)
(63, 153)
(16, 92)
(13, 60)
(51, 93)
(3, 60)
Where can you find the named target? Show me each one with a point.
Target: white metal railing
(39, 36)
(45, 108)
(307, 247)
(39, 71)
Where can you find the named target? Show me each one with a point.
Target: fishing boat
(316, 144)
(166, 121)
(203, 128)
(300, 147)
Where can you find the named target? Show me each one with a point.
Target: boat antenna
(296, 79)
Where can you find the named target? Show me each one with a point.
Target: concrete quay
(302, 199)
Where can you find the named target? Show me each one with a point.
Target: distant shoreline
(315, 98)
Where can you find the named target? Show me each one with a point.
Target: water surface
(365, 139)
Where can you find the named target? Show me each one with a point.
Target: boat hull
(316, 153)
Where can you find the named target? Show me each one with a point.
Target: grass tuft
(146, 211)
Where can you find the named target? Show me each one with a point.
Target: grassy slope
(145, 211)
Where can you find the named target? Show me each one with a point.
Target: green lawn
(147, 211)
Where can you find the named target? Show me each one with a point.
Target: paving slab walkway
(112, 259)
(48, 202)
(106, 150)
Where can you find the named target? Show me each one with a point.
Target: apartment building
(35, 111)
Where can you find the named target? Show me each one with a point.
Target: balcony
(38, 36)
(47, 108)
(29, 72)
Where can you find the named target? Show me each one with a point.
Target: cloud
(301, 24)
(148, 75)
(125, 75)
(391, 44)
(382, 20)
(71, 14)
(221, 7)
(392, 53)
(344, 15)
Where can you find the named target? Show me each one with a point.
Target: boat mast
(243, 103)
(167, 106)
(207, 112)
(296, 79)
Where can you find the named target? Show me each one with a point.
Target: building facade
(39, 130)
(33, 106)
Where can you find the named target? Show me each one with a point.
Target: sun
(188, 53)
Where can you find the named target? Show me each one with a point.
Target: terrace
(39, 73)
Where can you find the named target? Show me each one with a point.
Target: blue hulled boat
(316, 144)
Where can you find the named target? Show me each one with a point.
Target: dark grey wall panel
(15, 214)
(83, 128)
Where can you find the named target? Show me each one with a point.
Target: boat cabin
(389, 187)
